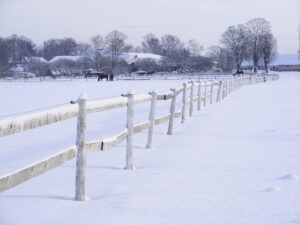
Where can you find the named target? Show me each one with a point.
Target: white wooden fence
(82, 107)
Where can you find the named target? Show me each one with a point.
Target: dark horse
(239, 72)
(100, 75)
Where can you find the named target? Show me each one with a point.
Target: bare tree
(235, 40)
(269, 47)
(194, 47)
(4, 65)
(257, 29)
(171, 45)
(19, 47)
(151, 44)
(222, 56)
(59, 47)
(98, 44)
(115, 43)
(84, 49)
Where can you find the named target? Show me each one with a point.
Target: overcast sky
(203, 20)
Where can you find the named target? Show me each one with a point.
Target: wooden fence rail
(81, 107)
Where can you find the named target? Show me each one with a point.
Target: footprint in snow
(289, 176)
(272, 189)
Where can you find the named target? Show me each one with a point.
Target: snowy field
(233, 163)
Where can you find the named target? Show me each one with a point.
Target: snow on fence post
(183, 103)
(130, 110)
(223, 88)
(235, 84)
(81, 154)
(172, 112)
(219, 91)
(191, 99)
(151, 119)
(205, 93)
(211, 91)
(199, 96)
(226, 88)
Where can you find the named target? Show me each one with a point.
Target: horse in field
(100, 75)
(103, 75)
(238, 72)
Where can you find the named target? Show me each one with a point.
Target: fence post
(223, 88)
(219, 91)
(183, 103)
(191, 98)
(199, 96)
(81, 155)
(151, 119)
(130, 114)
(205, 93)
(211, 91)
(172, 112)
(235, 85)
(226, 88)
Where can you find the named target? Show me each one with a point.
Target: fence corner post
(172, 112)
(152, 119)
(192, 98)
(81, 154)
(130, 115)
(183, 103)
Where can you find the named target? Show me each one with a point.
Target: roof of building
(130, 57)
(66, 57)
(35, 58)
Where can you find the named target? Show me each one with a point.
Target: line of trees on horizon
(251, 41)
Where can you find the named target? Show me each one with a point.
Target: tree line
(252, 41)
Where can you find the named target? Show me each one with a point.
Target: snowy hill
(291, 59)
(280, 59)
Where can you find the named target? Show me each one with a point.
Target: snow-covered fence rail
(79, 109)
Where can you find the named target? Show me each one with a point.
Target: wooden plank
(141, 127)
(35, 169)
(111, 142)
(106, 104)
(177, 114)
(164, 96)
(162, 119)
(94, 146)
(26, 122)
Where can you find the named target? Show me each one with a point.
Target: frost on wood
(81, 154)
(172, 111)
(130, 116)
(31, 171)
(37, 119)
(151, 119)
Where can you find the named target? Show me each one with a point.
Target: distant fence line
(132, 76)
(82, 107)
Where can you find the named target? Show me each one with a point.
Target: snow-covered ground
(235, 162)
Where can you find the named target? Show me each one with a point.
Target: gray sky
(203, 20)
